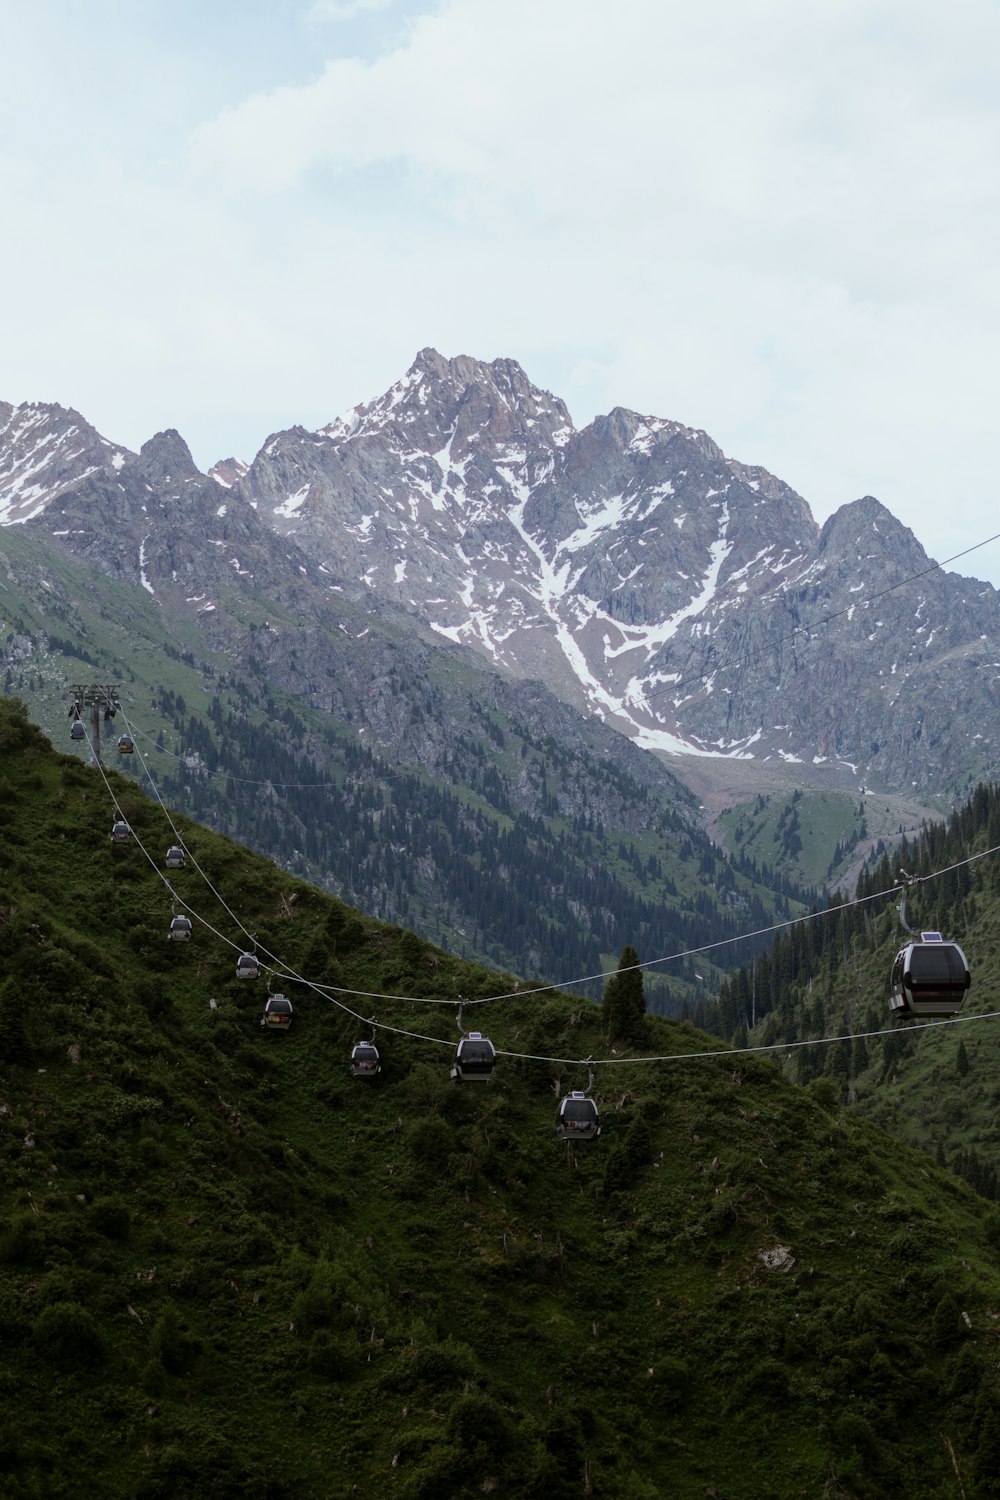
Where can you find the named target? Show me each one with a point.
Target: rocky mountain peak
(228, 471)
(46, 449)
(864, 531)
(166, 458)
(623, 564)
(457, 403)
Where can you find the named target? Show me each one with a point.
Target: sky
(776, 221)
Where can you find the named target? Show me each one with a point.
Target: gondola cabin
(247, 966)
(126, 744)
(120, 832)
(365, 1061)
(77, 731)
(175, 857)
(929, 978)
(277, 1015)
(577, 1117)
(475, 1057)
(180, 930)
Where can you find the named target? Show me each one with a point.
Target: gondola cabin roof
(930, 977)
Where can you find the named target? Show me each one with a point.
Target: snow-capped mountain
(688, 598)
(46, 450)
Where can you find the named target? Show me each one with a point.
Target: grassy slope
(227, 1268)
(817, 837)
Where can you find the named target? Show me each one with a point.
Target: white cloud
(323, 11)
(771, 220)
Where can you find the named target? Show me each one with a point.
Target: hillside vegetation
(229, 1269)
(936, 1086)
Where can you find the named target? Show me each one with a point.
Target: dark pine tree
(623, 1005)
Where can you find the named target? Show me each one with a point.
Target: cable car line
(820, 1041)
(331, 991)
(594, 1062)
(286, 971)
(590, 1062)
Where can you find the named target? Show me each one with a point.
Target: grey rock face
(689, 599)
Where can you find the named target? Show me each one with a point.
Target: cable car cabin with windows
(929, 978)
(277, 1015)
(577, 1117)
(475, 1057)
(247, 966)
(365, 1061)
(126, 744)
(120, 832)
(175, 857)
(77, 731)
(180, 930)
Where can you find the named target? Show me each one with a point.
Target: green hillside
(229, 1269)
(937, 1087)
(815, 837)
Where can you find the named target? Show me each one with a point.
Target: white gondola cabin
(180, 929)
(278, 1013)
(247, 966)
(120, 832)
(365, 1061)
(475, 1057)
(577, 1117)
(126, 744)
(175, 857)
(930, 977)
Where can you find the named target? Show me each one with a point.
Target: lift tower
(102, 700)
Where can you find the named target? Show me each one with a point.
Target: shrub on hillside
(66, 1335)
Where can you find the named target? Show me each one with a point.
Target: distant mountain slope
(687, 598)
(643, 575)
(229, 1269)
(399, 772)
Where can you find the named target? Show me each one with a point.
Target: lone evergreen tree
(623, 1004)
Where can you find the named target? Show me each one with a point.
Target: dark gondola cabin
(277, 1014)
(577, 1117)
(929, 978)
(247, 966)
(126, 744)
(77, 731)
(475, 1057)
(175, 857)
(120, 832)
(365, 1061)
(180, 930)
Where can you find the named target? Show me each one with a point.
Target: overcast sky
(777, 220)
